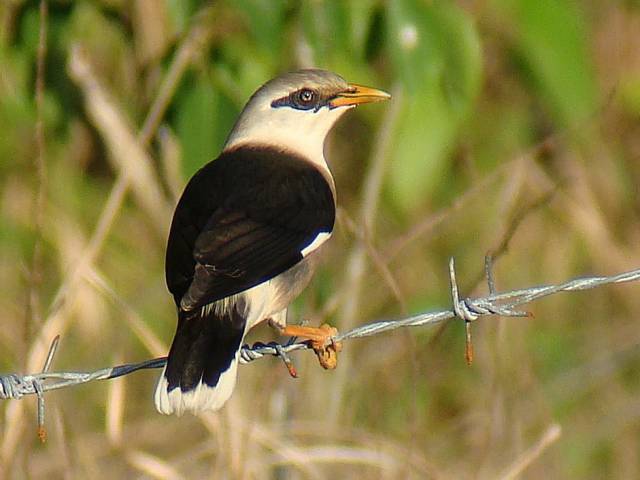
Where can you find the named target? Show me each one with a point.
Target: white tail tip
(201, 398)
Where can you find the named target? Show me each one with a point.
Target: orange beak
(357, 94)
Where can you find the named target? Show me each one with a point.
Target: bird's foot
(321, 340)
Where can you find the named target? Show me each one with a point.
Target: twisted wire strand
(15, 386)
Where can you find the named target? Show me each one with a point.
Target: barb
(14, 386)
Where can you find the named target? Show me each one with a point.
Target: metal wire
(15, 386)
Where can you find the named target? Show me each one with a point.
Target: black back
(243, 219)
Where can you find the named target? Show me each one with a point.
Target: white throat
(302, 132)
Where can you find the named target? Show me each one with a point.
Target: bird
(246, 233)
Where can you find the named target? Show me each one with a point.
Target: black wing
(243, 219)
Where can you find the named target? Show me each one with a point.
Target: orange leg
(321, 339)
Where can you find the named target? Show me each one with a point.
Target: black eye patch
(303, 99)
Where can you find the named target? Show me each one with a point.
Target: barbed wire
(15, 386)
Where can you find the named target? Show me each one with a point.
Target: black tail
(204, 347)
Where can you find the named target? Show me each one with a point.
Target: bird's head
(295, 111)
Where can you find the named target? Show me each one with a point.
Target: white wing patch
(319, 240)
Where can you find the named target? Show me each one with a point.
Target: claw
(318, 338)
(327, 354)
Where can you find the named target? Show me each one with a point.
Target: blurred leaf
(552, 40)
(497, 131)
(337, 33)
(16, 240)
(17, 114)
(436, 51)
(204, 119)
(244, 67)
(630, 95)
(30, 31)
(152, 29)
(360, 21)
(554, 351)
(109, 49)
(16, 64)
(180, 12)
(326, 27)
(266, 21)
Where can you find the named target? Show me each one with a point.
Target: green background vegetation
(514, 123)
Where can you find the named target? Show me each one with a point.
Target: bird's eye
(305, 98)
(306, 95)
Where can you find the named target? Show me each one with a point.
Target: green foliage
(203, 118)
(630, 95)
(180, 12)
(550, 37)
(266, 20)
(436, 53)
(489, 97)
(337, 33)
